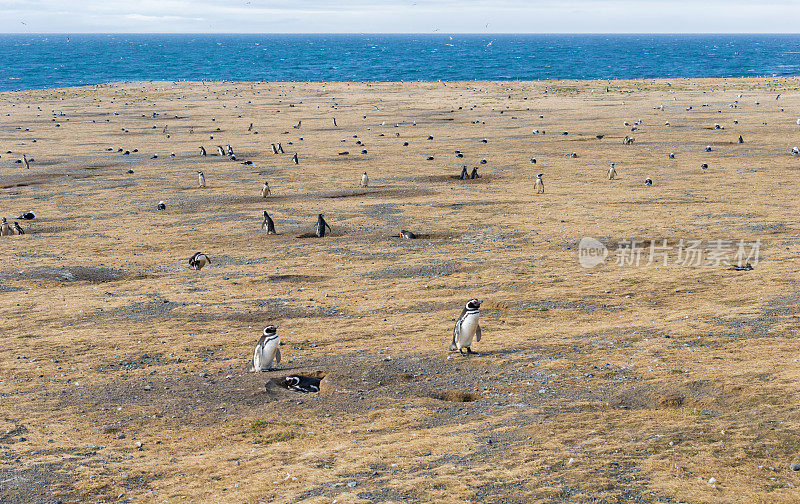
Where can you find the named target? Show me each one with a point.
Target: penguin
(364, 180)
(230, 150)
(201, 178)
(334, 123)
(5, 229)
(25, 160)
(704, 166)
(280, 148)
(274, 149)
(467, 328)
(294, 158)
(795, 151)
(162, 205)
(203, 151)
(265, 190)
(538, 185)
(708, 148)
(267, 350)
(672, 155)
(612, 172)
(199, 260)
(250, 128)
(220, 150)
(297, 126)
(27, 216)
(464, 175)
(408, 235)
(304, 384)
(741, 140)
(268, 225)
(648, 181)
(474, 173)
(18, 230)
(321, 225)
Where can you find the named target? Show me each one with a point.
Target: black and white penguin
(230, 150)
(298, 383)
(162, 205)
(741, 140)
(18, 230)
(274, 149)
(708, 148)
(467, 327)
(704, 166)
(648, 181)
(295, 159)
(199, 260)
(464, 174)
(250, 128)
(672, 155)
(364, 180)
(5, 228)
(27, 216)
(265, 190)
(280, 148)
(267, 350)
(538, 185)
(474, 173)
(408, 235)
(27, 163)
(203, 151)
(334, 123)
(268, 225)
(297, 126)
(612, 172)
(201, 178)
(321, 225)
(220, 150)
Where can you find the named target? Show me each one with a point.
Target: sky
(399, 16)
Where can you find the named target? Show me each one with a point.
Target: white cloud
(393, 16)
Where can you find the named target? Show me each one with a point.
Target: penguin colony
(267, 354)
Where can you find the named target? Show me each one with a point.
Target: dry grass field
(123, 371)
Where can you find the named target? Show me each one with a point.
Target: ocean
(56, 60)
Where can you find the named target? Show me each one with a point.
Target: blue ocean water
(41, 61)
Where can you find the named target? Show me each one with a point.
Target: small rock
(352, 484)
(795, 466)
(712, 481)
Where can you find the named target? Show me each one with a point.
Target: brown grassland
(123, 371)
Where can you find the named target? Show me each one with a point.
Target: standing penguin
(294, 158)
(265, 190)
(220, 150)
(203, 151)
(5, 229)
(25, 160)
(612, 172)
(18, 230)
(334, 123)
(538, 186)
(199, 260)
(274, 149)
(201, 178)
(321, 225)
(230, 150)
(474, 173)
(467, 327)
(268, 225)
(364, 180)
(267, 350)
(280, 148)
(464, 174)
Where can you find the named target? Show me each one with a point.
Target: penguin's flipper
(278, 356)
(329, 228)
(478, 333)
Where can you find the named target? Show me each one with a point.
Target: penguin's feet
(470, 352)
(453, 347)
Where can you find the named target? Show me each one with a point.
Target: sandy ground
(123, 375)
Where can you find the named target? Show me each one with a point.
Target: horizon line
(443, 33)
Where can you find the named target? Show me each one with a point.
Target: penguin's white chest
(469, 327)
(265, 354)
